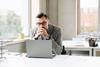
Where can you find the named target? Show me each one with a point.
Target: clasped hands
(42, 32)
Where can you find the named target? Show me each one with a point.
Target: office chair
(63, 51)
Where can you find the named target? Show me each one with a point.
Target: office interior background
(74, 17)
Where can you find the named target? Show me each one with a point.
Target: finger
(40, 29)
(44, 30)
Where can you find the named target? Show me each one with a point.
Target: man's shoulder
(54, 27)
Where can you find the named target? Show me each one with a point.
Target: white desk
(58, 61)
(95, 49)
(78, 46)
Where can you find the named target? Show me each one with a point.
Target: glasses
(43, 23)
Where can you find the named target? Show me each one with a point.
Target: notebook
(39, 49)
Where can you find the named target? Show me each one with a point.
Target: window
(88, 16)
(13, 18)
(35, 11)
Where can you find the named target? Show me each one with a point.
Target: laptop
(39, 49)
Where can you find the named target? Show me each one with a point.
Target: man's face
(42, 22)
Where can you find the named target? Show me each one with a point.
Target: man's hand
(41, 32)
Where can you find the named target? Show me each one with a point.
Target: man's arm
(56, 37)
(33, 34)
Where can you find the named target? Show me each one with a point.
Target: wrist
(48, 37)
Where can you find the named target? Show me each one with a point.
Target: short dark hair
(42, 15)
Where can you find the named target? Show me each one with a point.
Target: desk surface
(78, 44)
(82, 44)
(58, 61)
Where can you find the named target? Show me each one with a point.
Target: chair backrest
(63, 51)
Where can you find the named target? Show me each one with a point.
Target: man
(46, 31)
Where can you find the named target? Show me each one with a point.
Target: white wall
(43, 6)
(67, 18)
(52, 11)
(63, 14)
